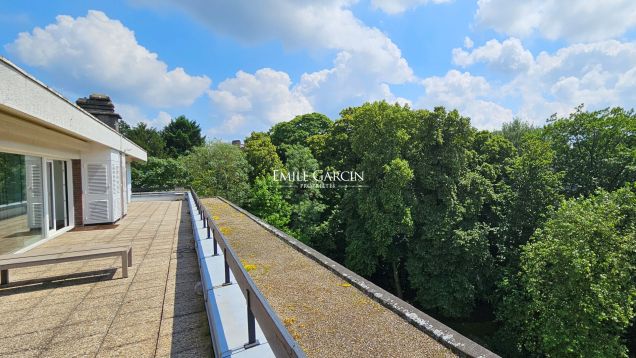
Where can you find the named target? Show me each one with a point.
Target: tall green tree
(219, 169)
(181, 136)
(299, 129)
(261, 155)
(594, 149)
(379, 220)
(147, 138)
(576, 289)
(535, 191)
(306, 204)
(450, 263)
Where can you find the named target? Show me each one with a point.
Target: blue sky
(239, 66)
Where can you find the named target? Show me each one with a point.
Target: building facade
(62, 164)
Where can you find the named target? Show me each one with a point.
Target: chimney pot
(100, 106)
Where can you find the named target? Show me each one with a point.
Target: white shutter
(97, 194)
(116, 186)
(34, 191)
(97, 178)
(124, 186)
(98, 210)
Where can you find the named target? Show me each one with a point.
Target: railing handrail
(278, 338)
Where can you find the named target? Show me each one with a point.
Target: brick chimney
(100, 106)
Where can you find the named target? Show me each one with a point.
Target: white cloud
(598, 74)
(399, 6)
(134, 115)
(366, 60)
(98, 54)
(556, 19)
(507, 56)
(468, 42)
(468, 94)
(258, 100)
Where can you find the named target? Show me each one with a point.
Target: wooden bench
(67, 254)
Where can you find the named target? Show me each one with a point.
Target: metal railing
(278, 338)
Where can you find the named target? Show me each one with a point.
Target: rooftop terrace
(86, 309)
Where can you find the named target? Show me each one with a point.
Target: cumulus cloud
(468, 94)
(258, 100)
(366, 61)
(598, 74)
(134, 115)
(557, 19)
(507, 56)
(102, 54)
(399, 6)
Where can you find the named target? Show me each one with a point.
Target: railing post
(205, 221)
(216, 250)
(227, 269)
(251, 324)
(208, 228)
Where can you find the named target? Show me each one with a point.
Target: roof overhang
(23, 96)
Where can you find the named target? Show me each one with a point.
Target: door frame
(46, 233)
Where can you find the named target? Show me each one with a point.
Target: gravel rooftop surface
(325, 315)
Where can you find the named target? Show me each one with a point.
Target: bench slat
(63, 250)
(71, 253)
(54, 259)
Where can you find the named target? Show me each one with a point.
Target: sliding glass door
(21, 201)
(56, 173)
(34, 200)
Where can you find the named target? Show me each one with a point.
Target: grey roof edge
(448, 337)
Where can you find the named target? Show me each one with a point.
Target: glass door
(57, 185)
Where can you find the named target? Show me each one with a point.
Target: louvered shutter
(124, 186)
(116, 185)
(34, 191)
(97, 194)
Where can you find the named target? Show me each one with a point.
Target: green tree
(219, 169)
(306, 204)
(516, 130)
(266, 201)
(181, 135)
(534, 193)
(576, 288)
(261, 155)
(450, 264)
(299, 129)
(147, 138)
(594, 149)
(158, 174)
(379, 221)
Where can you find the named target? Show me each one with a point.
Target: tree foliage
(305, 202)
(158, 174)
(299, 129)
(594, 149)
(266, 201)
(181, 136)
(147, 138)
(577, 291)
(219, 169)
(261, 155)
